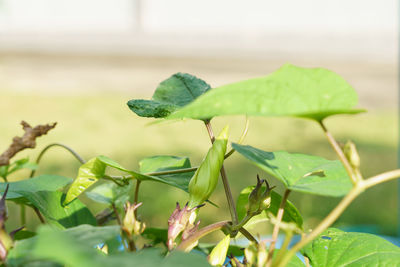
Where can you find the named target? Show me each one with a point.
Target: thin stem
(200, 233)
(275, 232)
(228, 193)
(76, 155)
(331, 218)
(22, 214)
(39, 215)
(338, 210)
(380, 178)
(340, 154)
(241, 139)
(286, 242)
(116, 214)
(248, 235)
(171, 172)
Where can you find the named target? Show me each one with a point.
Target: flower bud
(350, 151)
(218, 254)
(181, 221)
(131, 226)
(259, 198)
(250, 254)
(206, 177)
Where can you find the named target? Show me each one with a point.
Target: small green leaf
(39, 183)
(290, 91)
(291, 213)
(337, 248)
(175, 92)
(299, 172)
(50, 205)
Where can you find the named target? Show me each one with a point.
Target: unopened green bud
(350, 151)
(259, 198)
(218, 254)
(131, 225)
(205, 179)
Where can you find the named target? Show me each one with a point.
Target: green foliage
(95, 169)
(337, 248)
(63, 216)
(299, 172)
(40, 183)
(175, 92)
(73, 236)
(291, 213)
(290, 91)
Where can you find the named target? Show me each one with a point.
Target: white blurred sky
(361, 26)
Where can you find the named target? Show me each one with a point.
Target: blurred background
(78, 63)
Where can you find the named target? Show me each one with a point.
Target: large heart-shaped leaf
(337, 248)
(95, 169)
(39, 183)
(313, 93)
(299, 172)
(291, 213)
(175, 92)
(50, 205)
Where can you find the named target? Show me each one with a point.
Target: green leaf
(22, 164)
(50, 205)
(175, 92)
(337, 248)
(291, 213)
(168, 163)
(299, 172)
(90, 172)
(75, 248)
(111, 193)
(39, 183)
(290, 91)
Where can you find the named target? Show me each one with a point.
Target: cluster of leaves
(73, 236)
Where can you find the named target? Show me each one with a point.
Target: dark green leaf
(290, 91)
(299, 172)
(337, 248)
(50, 205)
(175, 92)
(157, 235)
(291, 213)
(40, 183)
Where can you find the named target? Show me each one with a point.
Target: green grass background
(102, 124)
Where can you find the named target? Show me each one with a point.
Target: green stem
(354, 178)
(286, 242)
(136, 197)
(171, 172)
(248, 235)
(360, 187)
(39, 215)
(275, 232)
(76, 155)
(200, 233)
(228, 193)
